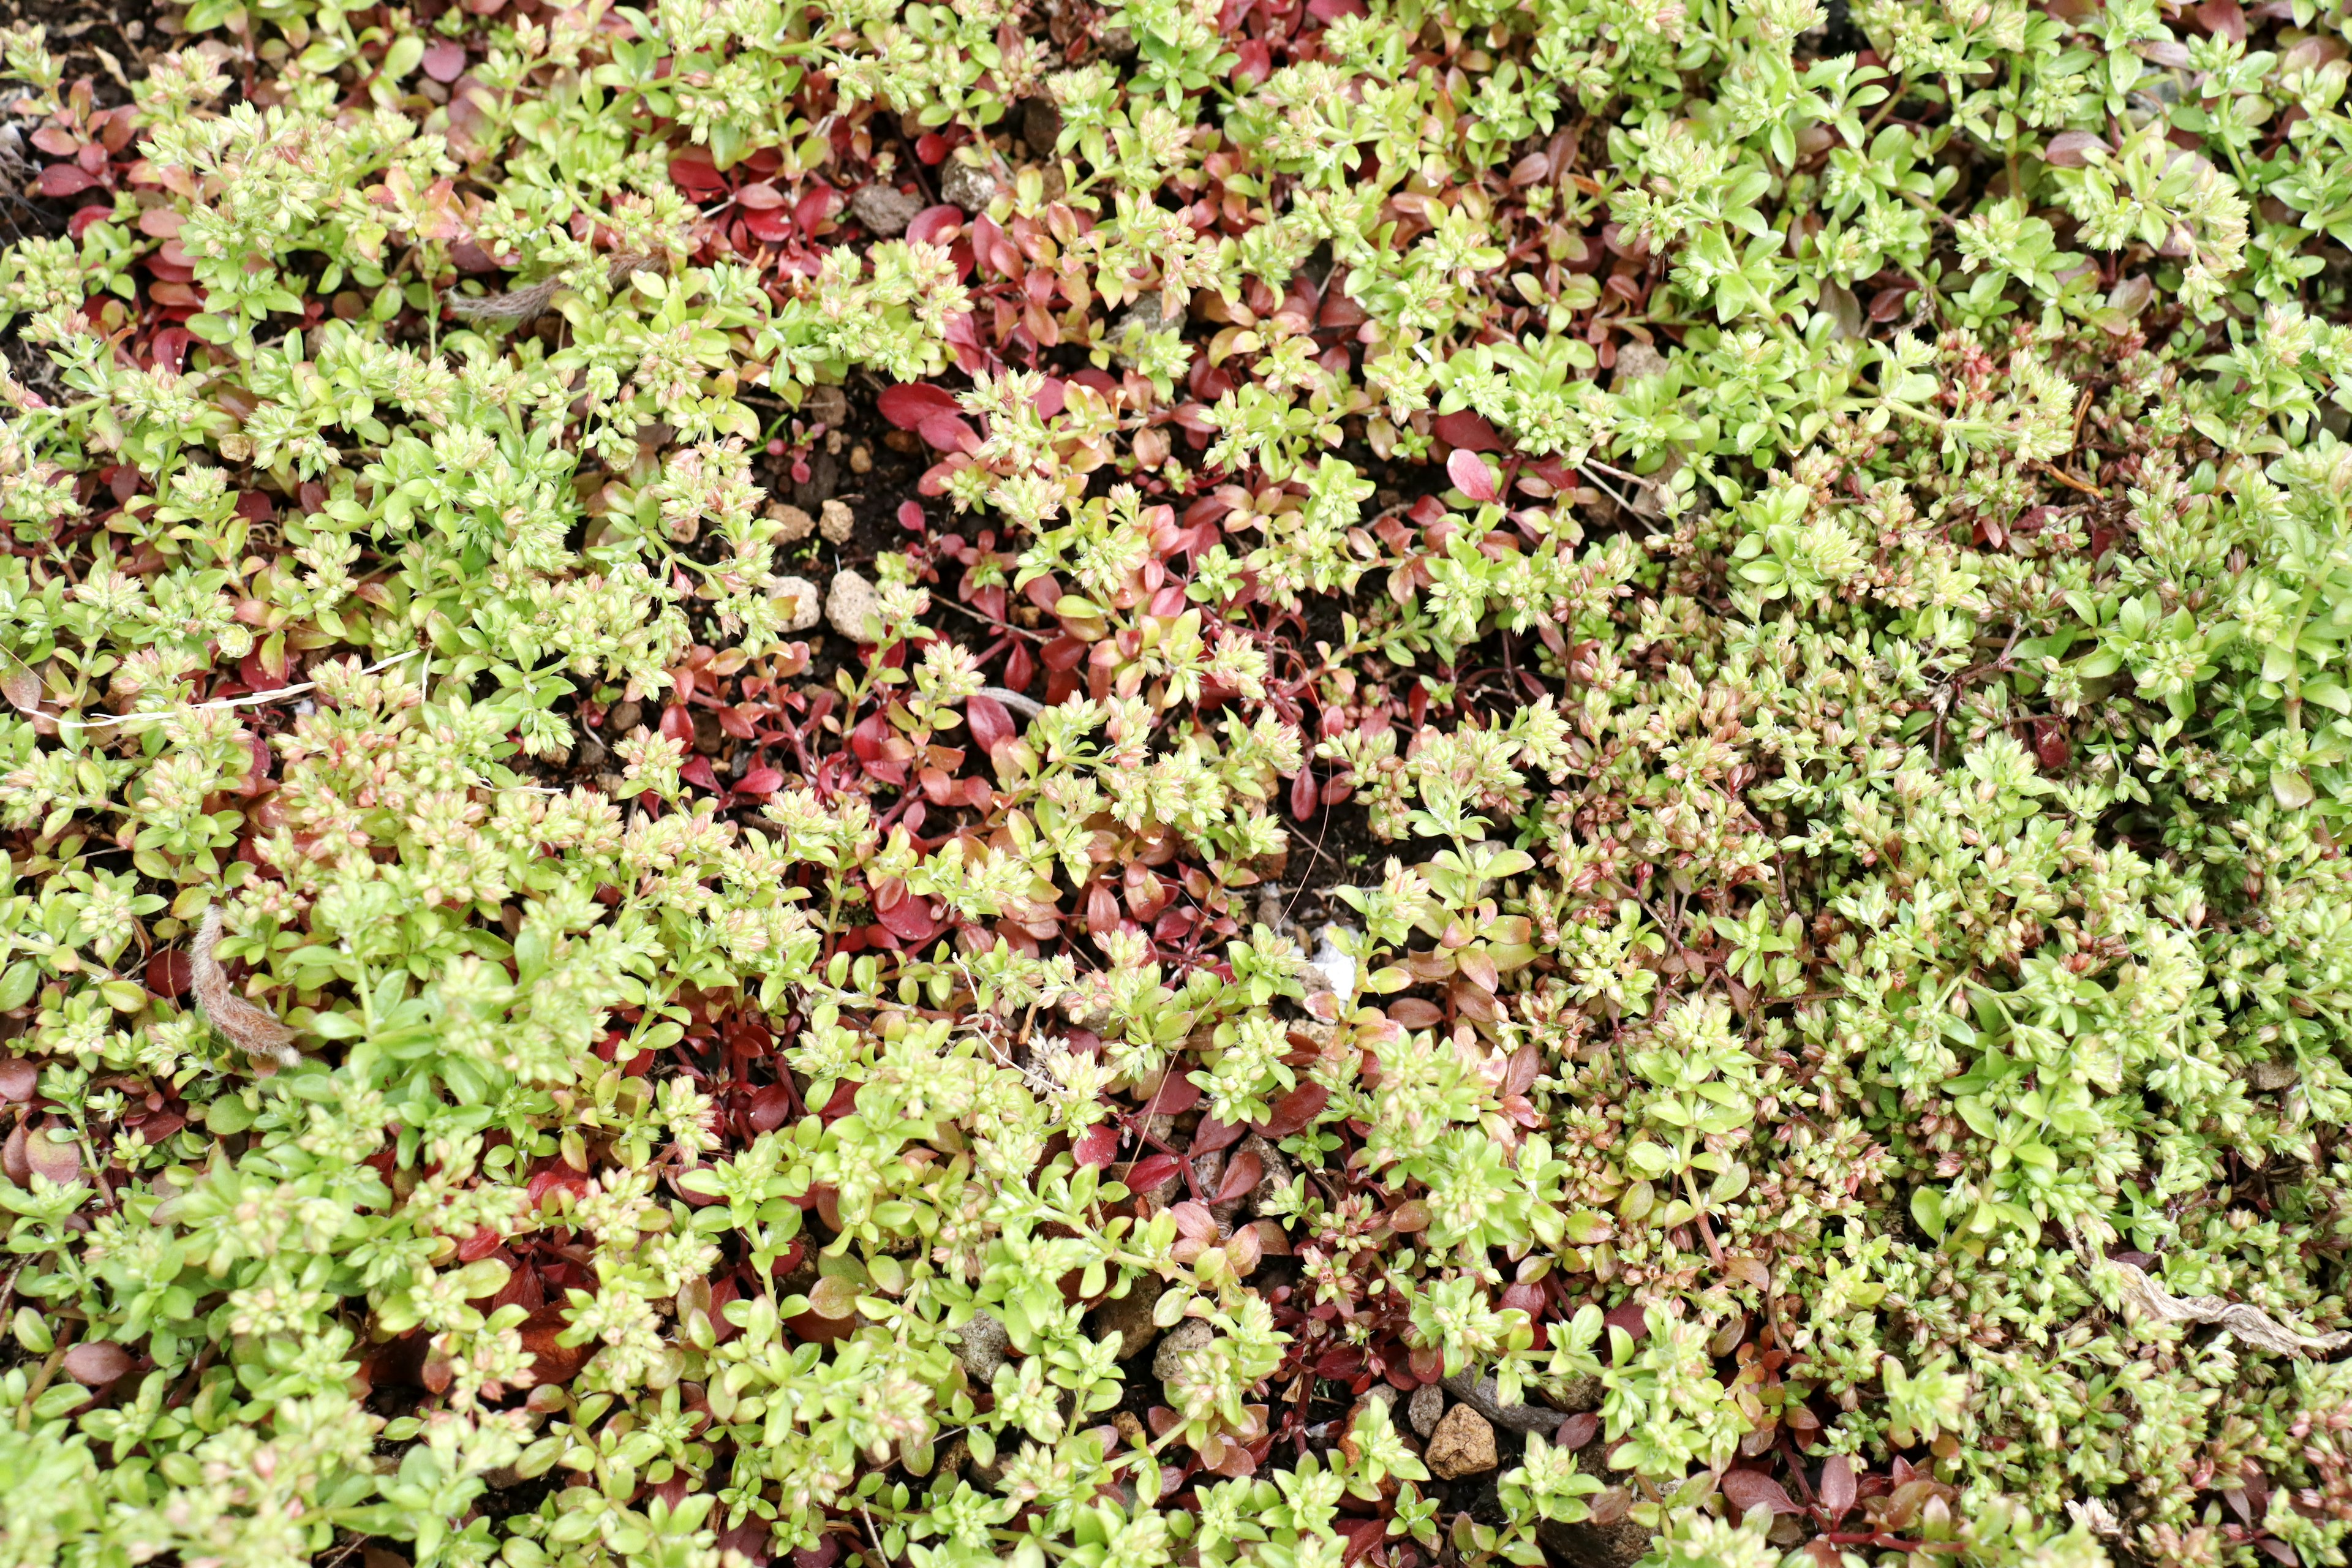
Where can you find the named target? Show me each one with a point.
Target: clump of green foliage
(1784, 575)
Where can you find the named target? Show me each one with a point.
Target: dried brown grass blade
(530, 304)
(2249, 1324)
(243, 1025)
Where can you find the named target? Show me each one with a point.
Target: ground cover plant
(1181, 782)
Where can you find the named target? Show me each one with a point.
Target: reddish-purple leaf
(1294, 1111)
(933, 226)
(1750, 1490)
(1469, 431)
(20, 685)
(907, 405)
(1148, 1172)
(1576, 1430)
(1244, 1174)
(1837, 1488)
(989, 724)
(2072, 149)
(1305, 794)
(19, 1080)
(1212, 1135)
(64, 180)
(97, 1364)
(1469, 475)
(1097, 1145)
(1176, 1095)
(444, 62)
(947, 433)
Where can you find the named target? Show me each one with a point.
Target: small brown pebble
(901, 441)
(837, 522)
(1189, 1335)
(829, 405)
(1128, 1320)
(884, 210)
(1463, 1445)
(1041, 125)
(861, 459)
(622, 716)
(792, 523)
(1130, 1430)
(967, 187)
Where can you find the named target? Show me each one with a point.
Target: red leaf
(935, 225)
(1212, 1135)
(931, 148)
(947, 433)
(1340, 1362)
(866, 740)
(1837, 1488)
(814, 209)
(989, 724)
(770, 1103)
(1147, 1173)
(169, 972)
(444, 62)
(1246, 1172)
(698, 772)
(1752, 1489)
(1294, 1111)
(1253, 63)
(1193, 1221)
(64, 180)
(555, 1174)
(909, 405)
(760, 781)
(20, 685)
(96, 1363)
(1470, 432)
(1177, 1094)
(551, 1363)
(1097, 1145)
(19, 1082)
(2072, 149)
(912, 921)
(693, 172)
(2223, 19)
(1576, 1430)
(1049, 400)
(1304, 794)
(1469, 475)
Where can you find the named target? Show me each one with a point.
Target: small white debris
(1332, 969)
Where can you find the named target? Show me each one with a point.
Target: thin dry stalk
(245, 1025)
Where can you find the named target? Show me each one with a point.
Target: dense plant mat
(1348, 781)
